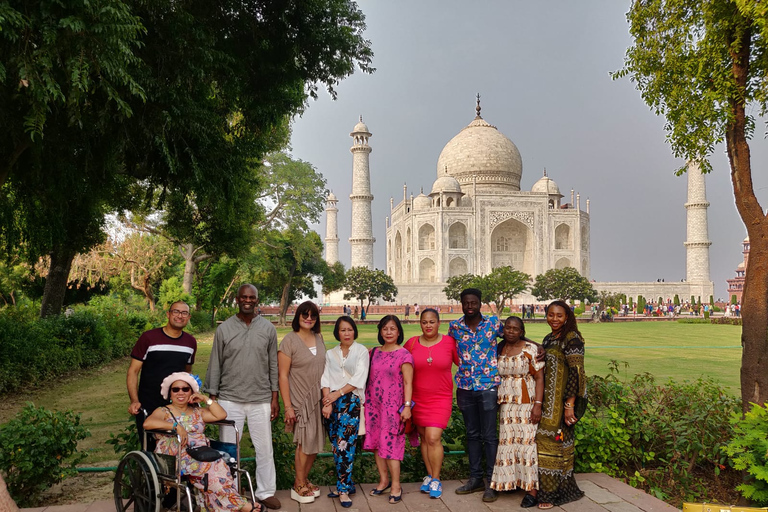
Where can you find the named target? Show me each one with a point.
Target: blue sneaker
(425, 484)
(435, 489)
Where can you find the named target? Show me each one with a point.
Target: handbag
(361, 428)
(580, 406)
(204, 453)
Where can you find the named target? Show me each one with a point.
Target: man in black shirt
(157, 354)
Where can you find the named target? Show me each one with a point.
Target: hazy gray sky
(542, 70)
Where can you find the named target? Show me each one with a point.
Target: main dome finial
(477, 108)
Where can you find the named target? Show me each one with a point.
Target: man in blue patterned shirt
(477, 380)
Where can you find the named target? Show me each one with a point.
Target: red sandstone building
(736, 285)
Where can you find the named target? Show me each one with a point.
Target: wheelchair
(144, 479)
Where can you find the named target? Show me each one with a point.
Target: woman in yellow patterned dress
(520, 395)
(564, 382)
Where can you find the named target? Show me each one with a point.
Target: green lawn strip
(664, 349)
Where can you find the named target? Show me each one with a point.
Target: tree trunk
(56, 282)
(190, 267)
(754, 332)
(286, 293)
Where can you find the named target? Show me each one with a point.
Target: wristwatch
(209, 401)
(407, 404)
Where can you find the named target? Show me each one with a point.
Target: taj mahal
(475, 218)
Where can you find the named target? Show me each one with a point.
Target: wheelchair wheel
(136, 486)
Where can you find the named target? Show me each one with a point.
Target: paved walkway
(603, 494)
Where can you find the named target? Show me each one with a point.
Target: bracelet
(537, 402)
(175, 424)
(567, 405)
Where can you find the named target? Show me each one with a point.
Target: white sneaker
(425, 484)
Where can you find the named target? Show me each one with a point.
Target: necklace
(429, 349)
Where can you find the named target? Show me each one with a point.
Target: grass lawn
(664, 349)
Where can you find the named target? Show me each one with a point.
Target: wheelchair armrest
(230, 423)
(162, 432)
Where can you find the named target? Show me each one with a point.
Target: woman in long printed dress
(520, 398)
(300, 365)
(564, 381)
(388, 405)
(185, 415)
(343, 387)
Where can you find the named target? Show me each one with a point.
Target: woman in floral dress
(388, 405)
(520, 398)
(187, 418)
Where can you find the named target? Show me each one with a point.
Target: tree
(363, 284)
(106, 104)
(701, 64)
(606, 300)
(333, 278)
(456, 284)
(565, 284)
(503, 284)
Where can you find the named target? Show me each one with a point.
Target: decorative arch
(562, 263)
(408, 272)
(398, 257)
(512, 245)
(408, 239)
(457, 267)
(457, 236)
(584, 238)
(563, 238)
(449, 202)
(427, 271)
(427, 238)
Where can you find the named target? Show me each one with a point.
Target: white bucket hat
(166, 385)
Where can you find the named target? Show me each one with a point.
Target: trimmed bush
(38, 449)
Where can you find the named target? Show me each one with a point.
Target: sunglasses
(186, 389)
(308, 315)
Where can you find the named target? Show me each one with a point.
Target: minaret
(361, 239)
(331, 229)
(697, 240)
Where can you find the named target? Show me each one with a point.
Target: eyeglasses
(308, 315)
(182, 314)
(186, 389)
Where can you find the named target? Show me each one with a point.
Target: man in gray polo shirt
(242, 376)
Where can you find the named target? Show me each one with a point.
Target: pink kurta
(433, 381)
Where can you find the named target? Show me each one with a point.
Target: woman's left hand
(327, 410)
(406, 414)
(331, 397)
(197, 398)
(536, 413)
(570, 417)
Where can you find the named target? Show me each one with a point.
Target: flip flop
(545, 506)
(379, 492)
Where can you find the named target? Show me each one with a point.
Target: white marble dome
(447, 185)
(331, 197)
(481, 150)
(361, 127)
(546, 185)
(421, 202)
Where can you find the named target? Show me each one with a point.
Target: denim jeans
(480, 410)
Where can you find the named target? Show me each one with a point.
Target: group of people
(517, 399)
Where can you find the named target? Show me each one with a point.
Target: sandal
(256, 507)
(545, 506)
(345, 500)
(393, 500)
(302, 494)
(336, 493)
(315, 489)
(529, 500)
(378, 492)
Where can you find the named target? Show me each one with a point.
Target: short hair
(430, 310)
(310, 306)
(178, 302)
(472, 291)
(344, 318)
(255, 290)
(391, 318)
(500, 346)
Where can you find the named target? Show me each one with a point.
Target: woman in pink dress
(433, 356)
(388, 405)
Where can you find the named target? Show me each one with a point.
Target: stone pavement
(603, 494)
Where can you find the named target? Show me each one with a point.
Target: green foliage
(641, 303)
(127, 440)
(734, 301)
(456, 284)
(171, 291)
(748, 451)
(565, 284)
(676, 300)
(711, 300)
(661, 300)
(38, 448)
(503, 284)
(363, 284)
(658, 437)
(333, 278)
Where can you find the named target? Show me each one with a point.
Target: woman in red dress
(433, 357)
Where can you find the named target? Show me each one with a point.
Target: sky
(542, 70)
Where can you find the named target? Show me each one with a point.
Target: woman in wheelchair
(187, 417)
